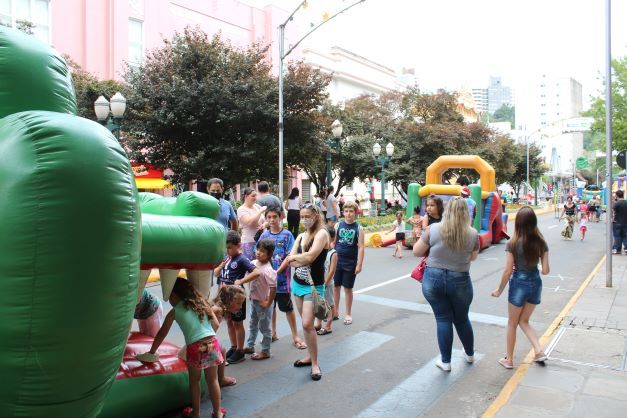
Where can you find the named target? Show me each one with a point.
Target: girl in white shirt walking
(399, 226)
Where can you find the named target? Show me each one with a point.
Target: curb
(503, 397)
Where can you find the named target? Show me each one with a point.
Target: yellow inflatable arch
(443, 163)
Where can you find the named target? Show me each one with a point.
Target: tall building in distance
(489, 99)
(481, 99)
(498, 94)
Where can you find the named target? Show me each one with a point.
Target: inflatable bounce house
(76, 244)
(489, 220)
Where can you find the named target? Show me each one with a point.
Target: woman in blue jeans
(452, 244)
(526, 248)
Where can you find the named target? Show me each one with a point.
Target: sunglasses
(310, 207)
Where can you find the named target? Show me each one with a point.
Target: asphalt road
(382, 364)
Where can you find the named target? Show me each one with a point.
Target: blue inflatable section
(485, 218)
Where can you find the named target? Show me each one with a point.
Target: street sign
(620, 159)
(582, 162)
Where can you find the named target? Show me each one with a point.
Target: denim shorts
(525, 287)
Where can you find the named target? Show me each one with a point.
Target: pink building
(103, 35)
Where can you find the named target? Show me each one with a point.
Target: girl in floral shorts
(197, 320)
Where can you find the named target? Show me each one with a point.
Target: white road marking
(369, 288)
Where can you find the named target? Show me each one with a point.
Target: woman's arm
(253, 218)
(507, 273)
(422, 245)
(163, 331)
(545, 263)
(321, 241)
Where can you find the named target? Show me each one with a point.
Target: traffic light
(620, 159)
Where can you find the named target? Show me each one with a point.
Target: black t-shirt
(235, 269)
(620, 212)
(570, 211)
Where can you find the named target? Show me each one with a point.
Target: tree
(204, 108)
(536, 165)
(619, 106)
(505, 113)
(88, 88)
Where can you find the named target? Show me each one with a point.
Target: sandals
(228, 381)
(222, 410)
(300, 345)
(260, 356)
(505, 362)
(300, 363)
(275, 338)
(323, 331)
(348, 320)
(540, 357)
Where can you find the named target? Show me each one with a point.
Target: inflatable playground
(489, 221)
(78, 243)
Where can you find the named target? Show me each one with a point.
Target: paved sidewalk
(586, 374)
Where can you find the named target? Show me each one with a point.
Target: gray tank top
(440, 256)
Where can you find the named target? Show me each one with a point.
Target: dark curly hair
(192, 299)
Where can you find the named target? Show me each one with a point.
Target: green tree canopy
(619, 107)
(204, 108)
(505, 113)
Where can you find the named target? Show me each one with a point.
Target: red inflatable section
(140, 343)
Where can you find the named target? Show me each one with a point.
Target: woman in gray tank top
(452, 245)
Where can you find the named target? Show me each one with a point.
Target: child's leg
(253, 324)
(240, 335)
(211, 377)
(336, 300)
(348, 296)
(230, 324)
(265, 316)
(329, 319)
(194, 390)
(512, 324)
(274, 336)
(399, 245)
(523, 321)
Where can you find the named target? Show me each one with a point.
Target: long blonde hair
(455, 229)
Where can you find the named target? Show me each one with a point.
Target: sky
(454, 43)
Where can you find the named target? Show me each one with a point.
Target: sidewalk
(586, 374)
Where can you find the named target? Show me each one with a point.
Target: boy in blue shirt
(283, 243)
(235, 267)
(349, 245)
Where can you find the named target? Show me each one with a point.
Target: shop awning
(148, 183)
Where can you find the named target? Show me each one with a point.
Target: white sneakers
(447, 366)
(443, 366)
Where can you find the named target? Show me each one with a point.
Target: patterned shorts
(204, 353)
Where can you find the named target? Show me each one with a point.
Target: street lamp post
(333, 144)
(282, 55)
(382, 160)
(111, 113)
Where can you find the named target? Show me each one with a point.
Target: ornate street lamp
(333, 144)
(382, 160)
(110, 114)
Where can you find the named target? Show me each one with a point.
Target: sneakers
(470, 359)
(443, 366)
(236, 357)
(615, 252)
(230, 352)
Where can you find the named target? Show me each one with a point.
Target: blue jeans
(260, 321)
(620, 237)
(450, 293)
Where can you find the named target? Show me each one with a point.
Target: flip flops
(229, 381)
(300, 345)
(260, 356)
(323, 331)
(348, 321)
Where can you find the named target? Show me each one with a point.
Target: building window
(36, 12)
(135, 42)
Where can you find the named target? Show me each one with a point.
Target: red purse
(419, 271)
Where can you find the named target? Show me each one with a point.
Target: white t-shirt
(293, 204)
(399, 227)
(331, 203)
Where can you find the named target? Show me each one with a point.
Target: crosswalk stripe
(413, 396)
(425, 308)
(255, 395)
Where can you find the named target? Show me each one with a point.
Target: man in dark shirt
(619, 223)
